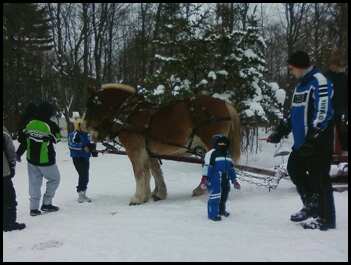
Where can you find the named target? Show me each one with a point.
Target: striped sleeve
(322, 101)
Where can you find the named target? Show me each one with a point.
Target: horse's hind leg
(160, 191)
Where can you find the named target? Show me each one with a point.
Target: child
(9, 194)
(220, 170)
(80, 149)
(201, 189)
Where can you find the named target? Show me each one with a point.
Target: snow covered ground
(176, 229)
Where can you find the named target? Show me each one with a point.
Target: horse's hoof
(156, 198)
(133, 203)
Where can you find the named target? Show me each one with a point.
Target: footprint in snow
(47, 244)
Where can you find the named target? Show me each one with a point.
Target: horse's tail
(234, 133)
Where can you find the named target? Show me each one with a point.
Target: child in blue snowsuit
(220, 170)
(80, 149)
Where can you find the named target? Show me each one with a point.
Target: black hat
(222, 143)
(299, 59)
(215, 138)
(46, 110)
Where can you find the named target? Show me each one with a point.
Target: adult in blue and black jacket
(220, 171)
(310, 121)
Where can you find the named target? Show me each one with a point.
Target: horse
(146, 130)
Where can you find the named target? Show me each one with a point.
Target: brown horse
(116, 110)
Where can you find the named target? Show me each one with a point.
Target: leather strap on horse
(200, 122)
(130, 105)
(127, 108)
(211, 119)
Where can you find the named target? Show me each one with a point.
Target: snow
(159, 90)
(167, 59)
(260, 39)
(223, 96)
(254, 107)
(202, 82)
(212, 75)
(175, 229)
(249, 53)
(222, 72)
(280, 94)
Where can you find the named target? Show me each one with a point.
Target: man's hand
(274, 138)
(283, 129)
(308, 148)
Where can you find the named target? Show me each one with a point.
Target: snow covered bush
(208, 59)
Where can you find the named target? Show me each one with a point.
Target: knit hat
(215, 138)
(222, 143)
(299, 59)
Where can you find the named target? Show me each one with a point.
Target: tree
(26, 41)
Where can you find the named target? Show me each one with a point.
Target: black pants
(82, 166)
(342, 129)
(225, 188)
(311, 176)
(10, 203)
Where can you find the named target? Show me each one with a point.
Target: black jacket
(340, 98)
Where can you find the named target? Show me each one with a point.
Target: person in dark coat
(311, 122)
(337, 76)
(9, 193)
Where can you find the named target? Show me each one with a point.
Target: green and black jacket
(40, 137)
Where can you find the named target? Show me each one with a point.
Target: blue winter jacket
(311, 106)
(77, 141)
(220, 163)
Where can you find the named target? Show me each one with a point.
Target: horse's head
(102, 107)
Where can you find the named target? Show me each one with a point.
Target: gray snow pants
(36, 174)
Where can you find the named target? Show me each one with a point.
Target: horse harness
(131, 105)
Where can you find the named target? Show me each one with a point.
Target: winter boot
(49, 208)
(310, 209)
(87, 199)
(317, 223)
(35, 212)
(10, 223)
(82, 197)
(217, 218)
(225, 213)
(13, 226)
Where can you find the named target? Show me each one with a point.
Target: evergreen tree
(25, 37)
(212, 60)
(169, 81)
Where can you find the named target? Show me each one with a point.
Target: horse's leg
(142, 178)
(147, 178)
(139, 158)
(160, 191)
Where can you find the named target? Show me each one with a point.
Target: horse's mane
(117, 86)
